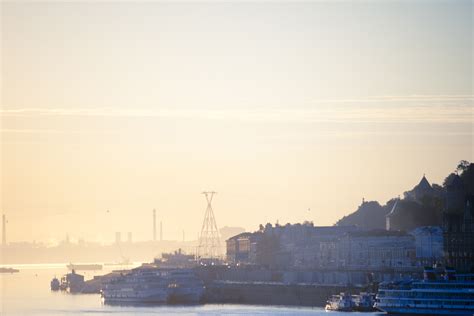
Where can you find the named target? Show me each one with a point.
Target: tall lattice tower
(209, 241)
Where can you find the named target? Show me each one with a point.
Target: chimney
(161, 231)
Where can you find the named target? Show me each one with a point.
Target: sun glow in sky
(281, 107)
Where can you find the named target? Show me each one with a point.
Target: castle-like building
(421, 190)
(394, 219)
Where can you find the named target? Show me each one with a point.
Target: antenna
(209, 241)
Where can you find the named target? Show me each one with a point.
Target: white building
(428, 244)
(376, 250)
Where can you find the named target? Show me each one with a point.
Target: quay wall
(269, 293)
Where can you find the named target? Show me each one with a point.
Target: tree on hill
(467, 176)
(369, 215)
(410, 214)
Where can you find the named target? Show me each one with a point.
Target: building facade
(458, 233)
(428, 244)
(239, 248)
(377, 249)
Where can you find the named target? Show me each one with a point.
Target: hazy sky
(278, 106)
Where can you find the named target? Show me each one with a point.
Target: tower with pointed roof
(422, 189)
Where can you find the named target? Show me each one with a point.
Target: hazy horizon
(113, 109)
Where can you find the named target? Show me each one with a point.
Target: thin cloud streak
(414, 108)
(421, 114)
(406, 98)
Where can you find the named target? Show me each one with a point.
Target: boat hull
(159, 298)
(425, 311)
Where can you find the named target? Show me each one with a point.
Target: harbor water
(27, 293)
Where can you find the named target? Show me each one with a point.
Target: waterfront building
(239, 248)
(428, 244)
(378, 249)
(302, 246)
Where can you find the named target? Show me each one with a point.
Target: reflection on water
(27, 293)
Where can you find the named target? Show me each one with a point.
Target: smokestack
(161, 231)
(118, 237)
(4, 230)
(130, 237)
(154, 225)
(183, 235)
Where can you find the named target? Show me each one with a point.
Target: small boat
(8, 270)
(71, 282)
(364, 302)
(55, 284)
(341, 303)
(84, 267)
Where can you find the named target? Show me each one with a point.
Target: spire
(424, 184)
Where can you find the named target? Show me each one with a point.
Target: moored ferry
(154, 285)
(441, 292)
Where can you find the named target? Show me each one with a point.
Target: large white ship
(154, 285)
(441, 292)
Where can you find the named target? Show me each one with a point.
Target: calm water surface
(27, 293)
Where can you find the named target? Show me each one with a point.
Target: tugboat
(71, 282)
(341, 303)
(55, 285)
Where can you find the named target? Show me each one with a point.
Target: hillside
(369, 215)
(421, 206)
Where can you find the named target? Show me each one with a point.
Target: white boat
(364, 302)
(441, 292)
(341, 303)
(156, 286)
(184, 287)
